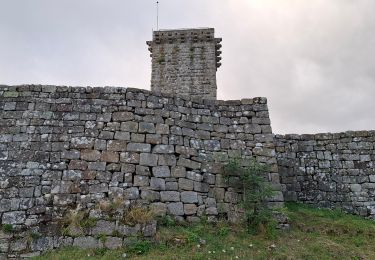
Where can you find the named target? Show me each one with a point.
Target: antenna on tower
(157, 15)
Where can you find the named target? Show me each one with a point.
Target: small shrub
(7, 228)
(255, 188)
(137, 214)
(102, 237)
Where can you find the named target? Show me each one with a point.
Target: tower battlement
(185, 61)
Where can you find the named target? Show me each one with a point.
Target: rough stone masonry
(77, 148)
(70, 147)
(184, 62)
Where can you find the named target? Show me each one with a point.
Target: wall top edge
(7, 90)
(184, 30)
(326, 136)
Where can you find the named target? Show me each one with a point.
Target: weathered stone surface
(188, 163)
(82, 142)
(116, 145)
(82, 146)
(157, 184)
(145, 127)
(161, 171)
(86, 242)
(42, 244)
(141, 181)
(90, 155)
(185, 184)
(162, 148)
(130, 126)
(170, 196)
(189, 197)
(109, 156)
(131, 193)
(122, 116)
(150, 229)
(176, 208)
(14, 217)
(179, 172)
(139, 147)
(148, 159)
(190, 209)
(113, 242)
(103, 227)
(327, 170)
(150, 195)
(172, 65)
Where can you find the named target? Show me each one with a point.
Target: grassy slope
(315, 234)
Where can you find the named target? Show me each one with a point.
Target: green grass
(314, 234)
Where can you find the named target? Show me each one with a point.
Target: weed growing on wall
(7, 228)
(252, 180)
(137, 214)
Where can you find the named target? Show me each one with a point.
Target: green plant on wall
(161, 59)
(7, 228)
(252, 180)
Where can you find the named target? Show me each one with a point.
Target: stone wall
(329, 170)
(67, 148)
(184, 62)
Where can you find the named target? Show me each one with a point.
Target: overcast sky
(313, 59)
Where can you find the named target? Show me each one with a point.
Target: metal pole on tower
(157, 15)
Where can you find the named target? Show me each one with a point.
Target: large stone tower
(184, 62)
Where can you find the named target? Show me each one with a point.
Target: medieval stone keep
(86, 155)
(184, 62)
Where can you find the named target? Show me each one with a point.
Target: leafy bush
(253, 182)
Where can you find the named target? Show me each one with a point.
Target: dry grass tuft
(138, 214)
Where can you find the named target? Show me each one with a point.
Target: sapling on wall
(252, 181)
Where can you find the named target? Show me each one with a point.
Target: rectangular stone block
(130, 126)
(189, 197)
(90, 155)
(157, 184)
(148, 159)
(109, 156)
(139, 147)
(139, 169)
(162, 148)
(141, 181)
(116, 145)
(170, 196)
(161, 171)
(176, 209)
(185, 184)
(188, 163)
(122, 116)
